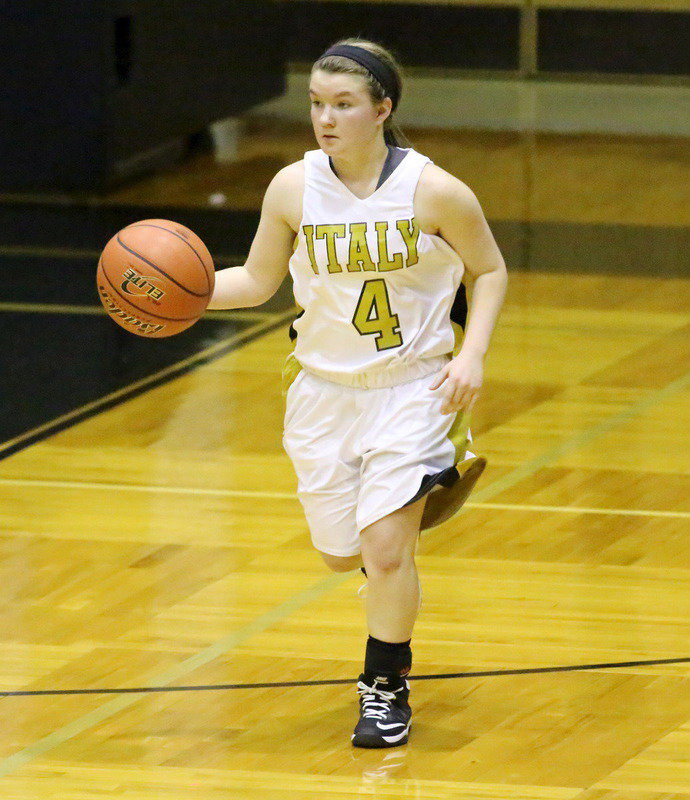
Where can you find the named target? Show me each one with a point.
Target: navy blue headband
(365, 58)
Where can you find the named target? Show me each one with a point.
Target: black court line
(491, 673)
(140, 387)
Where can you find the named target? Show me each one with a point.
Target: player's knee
(385, 561)
(342, 563)
(385, 551)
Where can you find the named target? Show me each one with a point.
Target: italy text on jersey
(360, 256)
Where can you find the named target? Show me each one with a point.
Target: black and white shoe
(384, 715)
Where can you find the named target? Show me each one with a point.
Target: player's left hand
(461, 380)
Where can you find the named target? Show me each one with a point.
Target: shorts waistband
(383, 378)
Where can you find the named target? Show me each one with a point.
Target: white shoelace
(374, 700)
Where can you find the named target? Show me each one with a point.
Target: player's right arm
(267, 263)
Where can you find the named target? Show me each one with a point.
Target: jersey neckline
(390, 167)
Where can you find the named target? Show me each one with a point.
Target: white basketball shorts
(360, 454)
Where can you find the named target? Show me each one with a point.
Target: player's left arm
(459, 219)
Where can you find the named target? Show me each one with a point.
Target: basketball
(155, 278)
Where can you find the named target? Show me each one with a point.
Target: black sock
(387, 662)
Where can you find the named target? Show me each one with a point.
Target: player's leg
(342, 563)
(408, 445)
(388, 551)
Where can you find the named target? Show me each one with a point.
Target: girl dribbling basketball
(376, 402)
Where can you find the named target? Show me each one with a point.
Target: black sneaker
(384, 715)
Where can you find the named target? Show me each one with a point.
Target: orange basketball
(155, 277)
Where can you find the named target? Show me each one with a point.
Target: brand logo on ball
(126, 318)
(137, 284)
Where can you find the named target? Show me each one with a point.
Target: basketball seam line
(182, 239)
(163, 272)
(134, 305)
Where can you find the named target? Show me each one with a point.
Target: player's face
(342, 112)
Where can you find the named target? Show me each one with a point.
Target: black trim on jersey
(458, 311)
(292, 332)
(445, 477)
(392, 162)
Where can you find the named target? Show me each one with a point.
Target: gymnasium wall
(569, 66)
(94, 92)
(504, 37)
(99, 92)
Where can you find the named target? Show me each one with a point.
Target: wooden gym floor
(153, 540)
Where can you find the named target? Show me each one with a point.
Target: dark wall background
(488, 37)
(428, 35)
(614, 42)
(95, 91)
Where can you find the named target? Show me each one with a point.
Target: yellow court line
(136, 487)
(72, 252)
(623, 512)
(258, 495)
(49, 252)
(61, 308)
(207, 352)
(51, 308)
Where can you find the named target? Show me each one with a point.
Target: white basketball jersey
(376, 291)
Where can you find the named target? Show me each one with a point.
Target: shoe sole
(445, 503)
(378, 742)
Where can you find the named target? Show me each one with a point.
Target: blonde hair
(391, 132)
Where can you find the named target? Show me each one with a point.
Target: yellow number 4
(373, 315)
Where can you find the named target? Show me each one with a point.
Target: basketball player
(382, 238)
